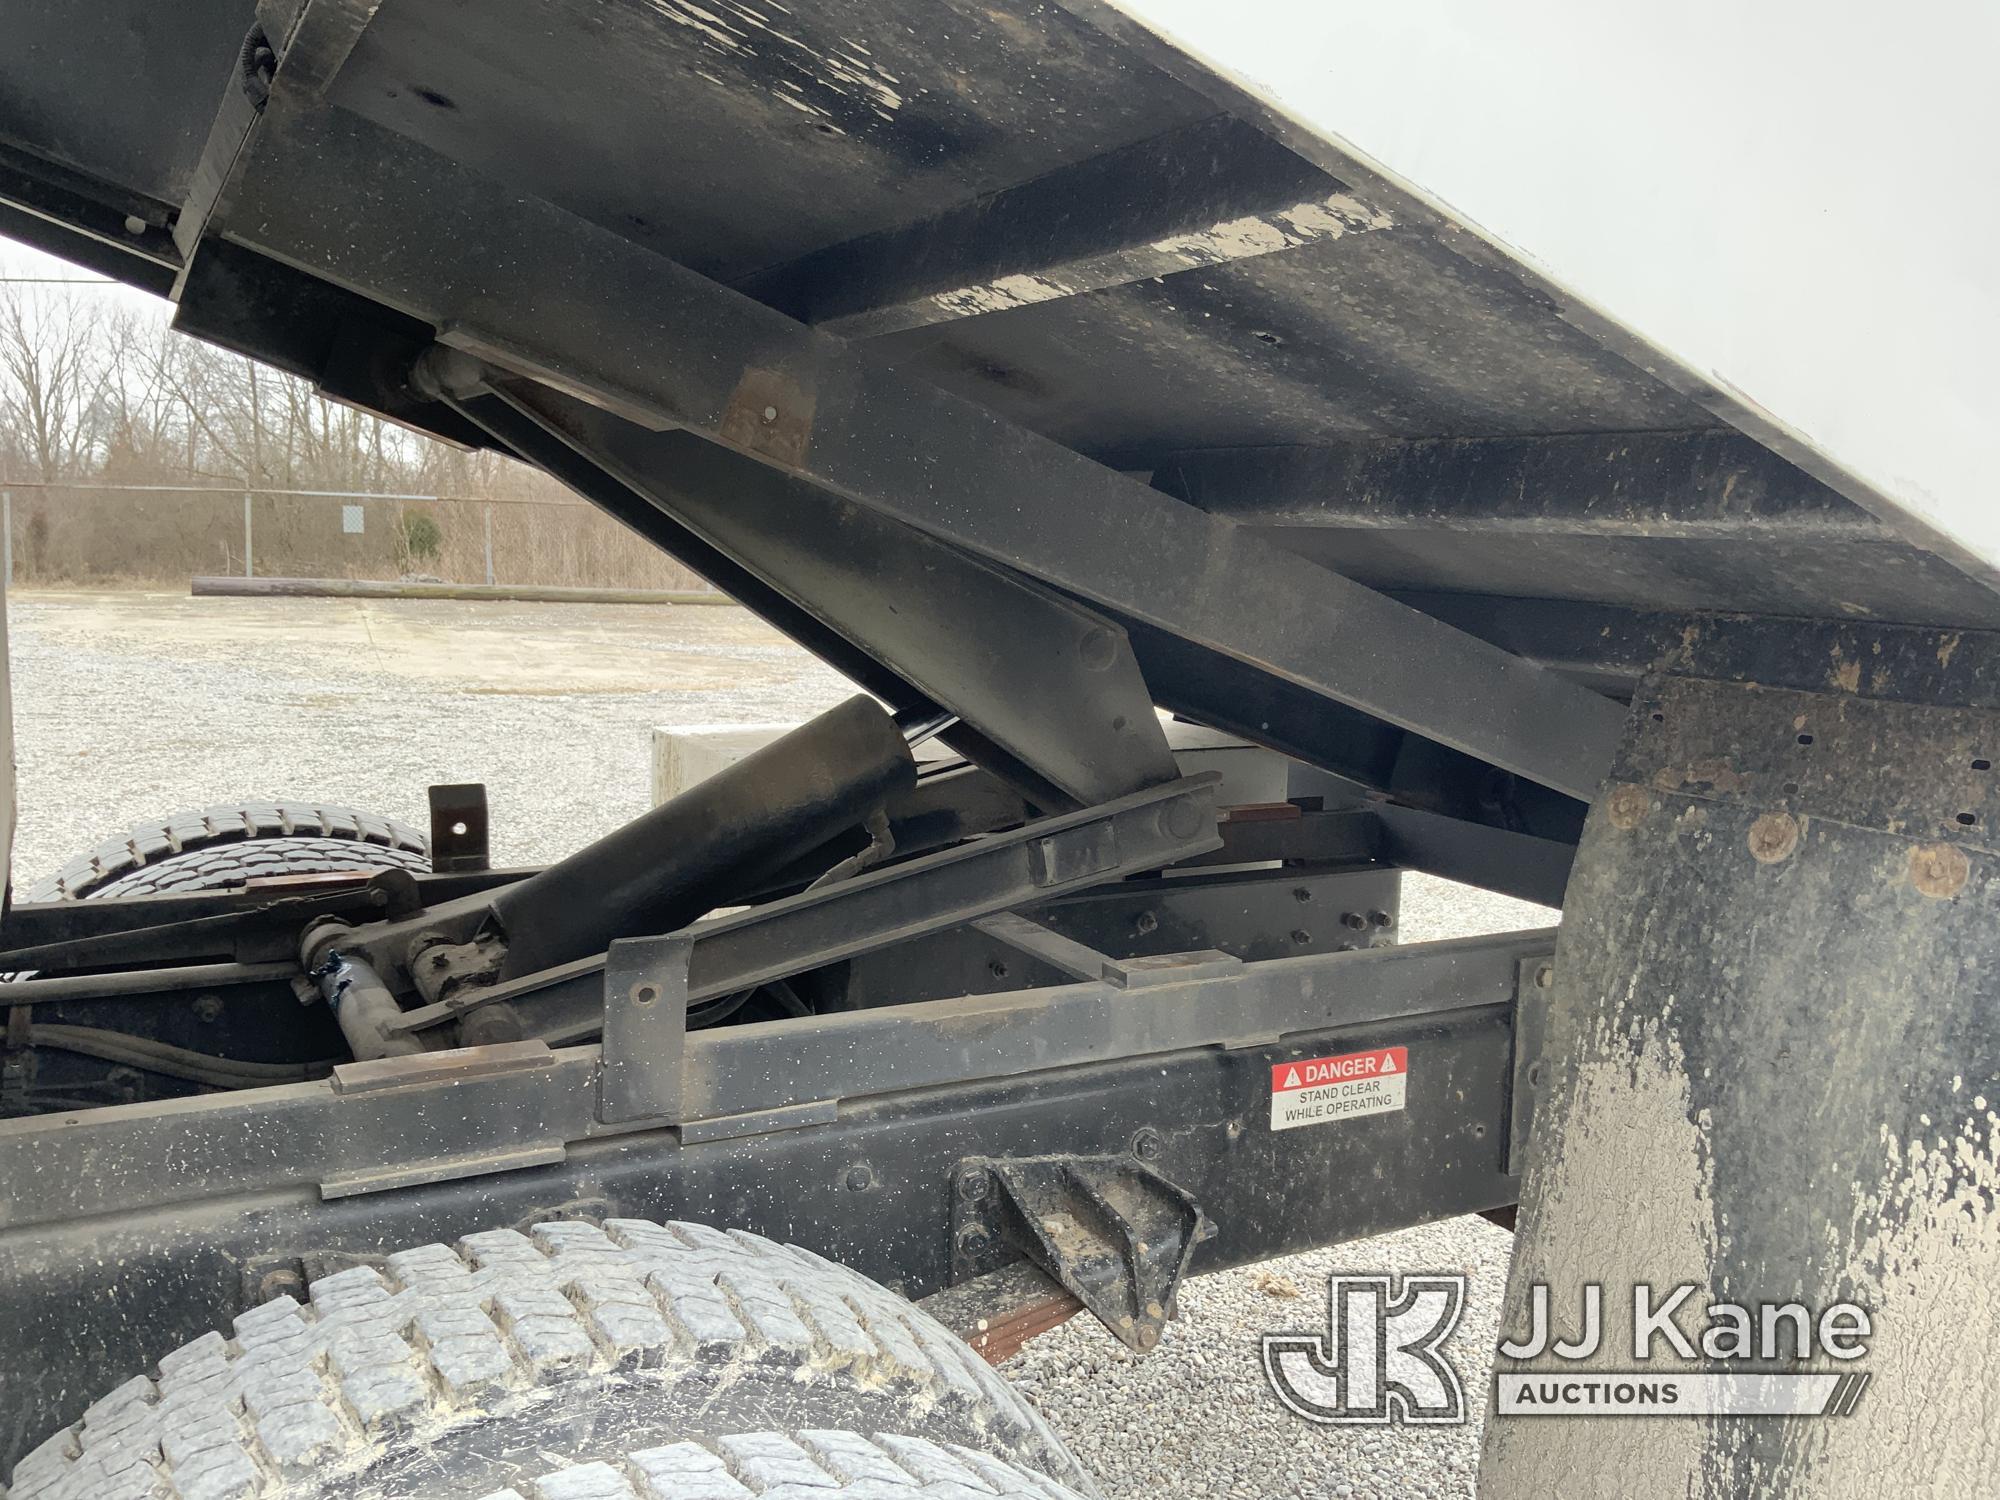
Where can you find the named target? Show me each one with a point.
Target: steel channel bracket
(460, 826)
(641, 1067)
(1114, 1232)
(1534, 976)
(406, 1121)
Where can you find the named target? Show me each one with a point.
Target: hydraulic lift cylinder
(698, 850)
(364, 1005)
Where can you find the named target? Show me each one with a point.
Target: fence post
(489, 544)
(7, 536)
(247, 571)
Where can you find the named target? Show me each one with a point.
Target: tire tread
(301, 1393)
(200, 849)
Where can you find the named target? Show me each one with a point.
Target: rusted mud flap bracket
(1115, 1233)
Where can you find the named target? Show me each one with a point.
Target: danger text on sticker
(1321, 1090)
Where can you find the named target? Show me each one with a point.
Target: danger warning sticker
(1320, 1090)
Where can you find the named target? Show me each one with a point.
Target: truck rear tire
(215, 847)
(657, 1362)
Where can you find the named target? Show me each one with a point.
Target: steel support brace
(68, 215)
(823, 925)
(1712, 486)
(1203, 194)
(1772, 1068)
(1116, 1234)
(645, 1029)
(1064, 698)
(376, 213)
(461, 827)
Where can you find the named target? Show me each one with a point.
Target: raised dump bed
(1561, 434)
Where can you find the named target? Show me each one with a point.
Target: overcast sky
(19, 263)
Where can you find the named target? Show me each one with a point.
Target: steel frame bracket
(642, 1064)
(1064, 714)
(1115, 1233)
(1532, 986)
(460, 826)
(415, 1119)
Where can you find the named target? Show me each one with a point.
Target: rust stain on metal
(1939, 870)
(1627, 806)
(1716, 774)
(1263, 812)
(770, 413)
(999, 1312)
(1773, 837)
(1001, 1341)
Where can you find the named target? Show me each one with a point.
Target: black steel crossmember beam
(1204, 194)
(1062, 696)
(1716, 485)
(84, 222)
(1616, 646)
(523, 285)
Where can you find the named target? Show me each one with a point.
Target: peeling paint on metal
(1000, 295)
(1260, 234)
(713, 29)
(1216, 244)
(732, 28)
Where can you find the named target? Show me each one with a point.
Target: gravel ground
(128, 705)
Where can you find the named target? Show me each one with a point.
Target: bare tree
(55, 369)
(101, 401)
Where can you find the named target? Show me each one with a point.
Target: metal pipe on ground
(694, 852)
(377, 588)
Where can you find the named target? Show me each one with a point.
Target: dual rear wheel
(627, 1361)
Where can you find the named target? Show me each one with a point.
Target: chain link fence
(108, 534)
